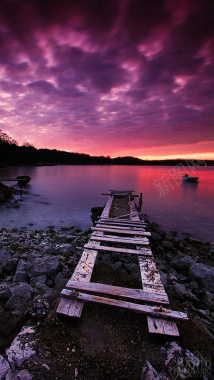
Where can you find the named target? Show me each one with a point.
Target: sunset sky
(109, 77)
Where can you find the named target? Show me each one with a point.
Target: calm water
(65, 194)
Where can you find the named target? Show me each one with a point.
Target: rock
(203, 274)
(24, 375)
(182, 261)
(4, 367)
(106, 259)
(67, 228)
(164, 278)
(5, 292)
(179, 288)
(21, 348)
(21, 272)
(43, 266)
(180, 364)
(167, 244)
(116, 265)
(131, 268)
(5, 260)
(149, 373)
(38, 280)
(40, 308)
(208, 298)
(20, 299)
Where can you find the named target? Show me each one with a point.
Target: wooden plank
(124, 240)
(107, 207)
(138, 294)
(131, 222)
(83, 271)
(123, 191)
(145, 309)
(71, 307)
(93, 245)
(121, 231)
(116, 224)
(155, 325)
(121, 227)
(149, 274)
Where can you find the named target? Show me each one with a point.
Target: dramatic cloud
(118, 77)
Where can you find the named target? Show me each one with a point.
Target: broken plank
(144, 252)
(107, 207)
(156, 326)
(121, 231)
(145, 309)
(83, 271)
(116, 224)
(123, 240)
(149, 273)
(138, 294)
(124, 228)
(131, 222)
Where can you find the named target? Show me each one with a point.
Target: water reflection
(60, 195)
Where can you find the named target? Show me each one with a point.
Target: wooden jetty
(131, 231)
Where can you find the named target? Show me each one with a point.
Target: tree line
(13, 154)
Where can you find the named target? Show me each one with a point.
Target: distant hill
(12, 154)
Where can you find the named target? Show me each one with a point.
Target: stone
(5, 259)
(40, 308)
(117, 265)
(167, 244)
(5, 292)
(179, 288)
(24, 375)
(131, 268)
(182, 261)
(20, 298)
(4, 367)
(208, 298)
(179, 363)
(149, 373)
(21, 272)
(43, 266)
(21, 348)
(203, 274)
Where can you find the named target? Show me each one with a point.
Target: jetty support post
(140, 203)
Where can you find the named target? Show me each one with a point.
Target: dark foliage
(12, 154)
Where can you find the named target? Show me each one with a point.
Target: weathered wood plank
(137, 294)
(130, 221)
(107, 207)
(155, 325)
(82, 271)
(160, 326)
(121, 227)
(93, 245)
(123, 240)
(121, 231)
(127, 225)
(149, 273)
(73, 308)
(145, 309)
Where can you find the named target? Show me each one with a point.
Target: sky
(109, 77)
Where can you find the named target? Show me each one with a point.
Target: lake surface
(64, 195)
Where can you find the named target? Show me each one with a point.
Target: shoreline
(35, 265)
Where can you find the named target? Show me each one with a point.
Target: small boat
(23, 180)
(190, 178)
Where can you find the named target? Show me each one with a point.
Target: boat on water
(23, 180)
(189, 178)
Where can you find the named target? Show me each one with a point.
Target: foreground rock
(35, 266)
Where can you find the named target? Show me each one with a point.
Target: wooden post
(140, 203)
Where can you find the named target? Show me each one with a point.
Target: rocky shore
(34, 268)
